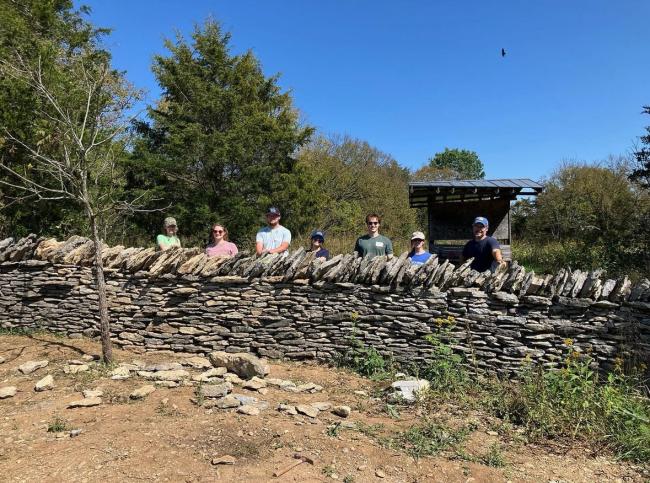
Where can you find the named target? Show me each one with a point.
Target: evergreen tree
(220, 141)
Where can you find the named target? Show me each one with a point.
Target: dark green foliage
(452, 164)
(642, 156)
(220, 142)
(34, 29)
(588, 217)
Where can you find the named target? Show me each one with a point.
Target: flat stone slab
(31, 366)
(7, 392)
(142, 392)
(254, 384)
(85, 403)
(163, 366)
(197, 362)
(243, 364)
(249, 410)
(228, 402)
(45, 384)
(174, 375)
(120, 373)
(224, 460)
(215, 390)
(307, 410)
(89, 393)
(74, 368)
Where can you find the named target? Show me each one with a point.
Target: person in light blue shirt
(273, 238)
(418, 254)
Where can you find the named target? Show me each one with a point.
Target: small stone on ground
(6, 392)
(45, 384)
(142, 392)
(342, 411)
(307, 410)
(224, 460)
(31, 366)
(85, 403)
(249, 410)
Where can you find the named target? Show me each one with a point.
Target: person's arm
(259, 243)
(283, 247)
(259, 247)
(496, 252)
(234, 250)
(463, 255)
(357, 248)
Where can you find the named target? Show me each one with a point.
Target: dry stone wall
(300, 308)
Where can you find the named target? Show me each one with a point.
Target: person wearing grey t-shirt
(273, 238)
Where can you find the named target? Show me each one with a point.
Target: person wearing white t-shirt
(273, 238)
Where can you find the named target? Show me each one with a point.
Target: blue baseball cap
(481, 220)
(273, 211)
(318, 234)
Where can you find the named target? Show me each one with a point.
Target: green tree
(642, 155)
(452, 164)
(36, 30)
(221, 139)
(348, 178)
(596, 213)
(82, 122)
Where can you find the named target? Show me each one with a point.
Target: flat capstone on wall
(298, 307)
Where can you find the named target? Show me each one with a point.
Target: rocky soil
(171, 417)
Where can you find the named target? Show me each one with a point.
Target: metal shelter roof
(421, 193)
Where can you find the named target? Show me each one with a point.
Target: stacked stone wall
(298, 308)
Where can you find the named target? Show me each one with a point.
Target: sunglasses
(373, 223)
(218, 231)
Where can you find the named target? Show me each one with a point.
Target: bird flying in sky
(503, 52)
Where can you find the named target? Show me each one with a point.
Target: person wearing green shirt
(169, 239)
(373, 244)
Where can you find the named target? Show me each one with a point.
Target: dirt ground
(167, 437)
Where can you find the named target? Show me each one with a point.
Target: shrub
(447, 370)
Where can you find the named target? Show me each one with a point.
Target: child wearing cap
(317, 240)
(169, 239)
(418, 254)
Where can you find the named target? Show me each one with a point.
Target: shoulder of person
(493, 242)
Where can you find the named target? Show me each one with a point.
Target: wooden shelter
(452, 206)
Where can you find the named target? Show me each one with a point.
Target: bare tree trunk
(105, 327)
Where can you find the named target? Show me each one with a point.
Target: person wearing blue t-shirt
(418, 254)
(273, 238)
(484, 249)
(317, 240)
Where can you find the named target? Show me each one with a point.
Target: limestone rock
(7, 392)
(174, 376)
(85, 403)
(215, 390)
(197, 362)
(254, 384)
(74, 369)
(163, 366)
(249, 410)
(210, 374)
(309, 387)
(228, 402)
(341, 411)
(45, 384)
(243, 364)
(322, 405)
(307, 410)
(408, 390)
(90, 393)
(31, 366)
(287, 409)
(224, 460)
(142, 392)
(120, 373)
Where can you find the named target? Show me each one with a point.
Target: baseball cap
(273, 211)
(169, 221)
(481, 220)
(318, 234)
(417, 235)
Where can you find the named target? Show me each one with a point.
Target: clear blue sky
(411, 77)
